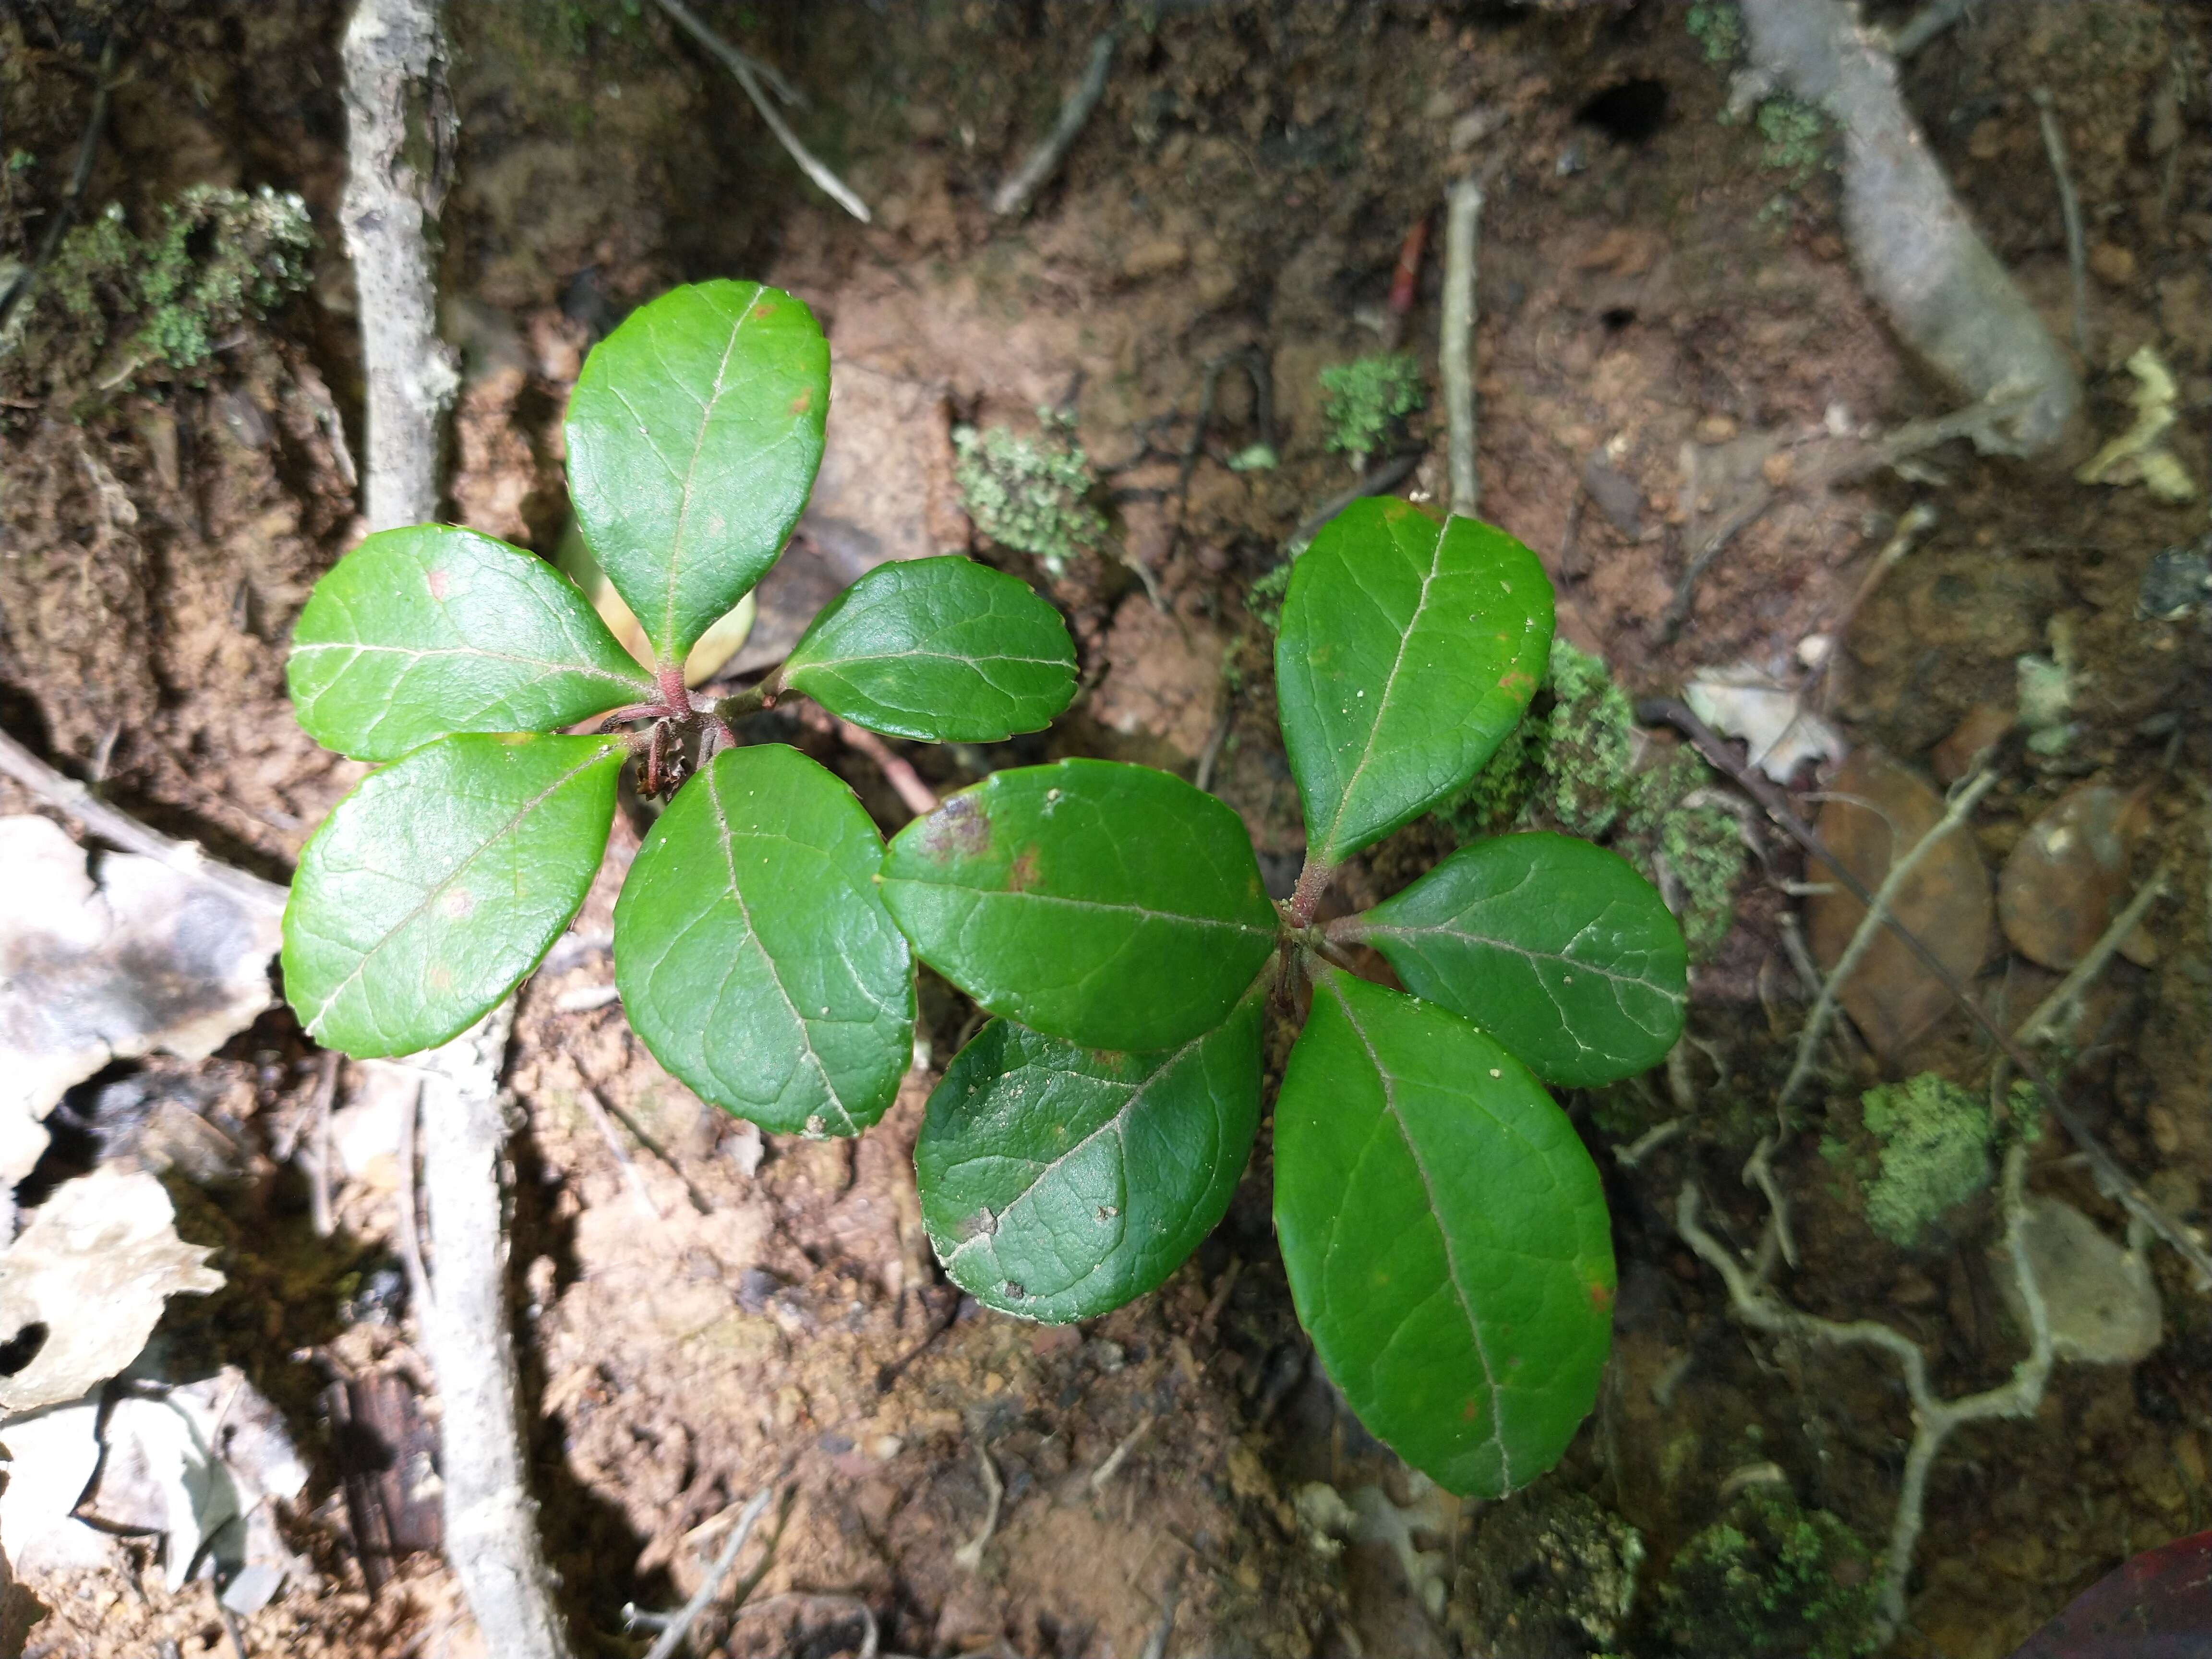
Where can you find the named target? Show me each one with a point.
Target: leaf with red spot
(434, 887)
(432, 630)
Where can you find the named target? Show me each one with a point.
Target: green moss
(1364, 400)
(1264, 599)
(219, 260)
(1030, 493)
(1796, 136)
(1931, 1151)
(1717, 25)
(1771, 1581)
(1577, 764)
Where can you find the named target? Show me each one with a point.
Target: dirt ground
(1670, 331)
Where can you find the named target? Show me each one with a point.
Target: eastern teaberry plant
(752, 948)
(1443, 1229)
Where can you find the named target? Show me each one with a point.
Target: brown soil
(1670, 331)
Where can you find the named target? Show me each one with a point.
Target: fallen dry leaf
(149, 958)
(94, 1268)
(1742, 701)
(1877, 809)
(2068, 876)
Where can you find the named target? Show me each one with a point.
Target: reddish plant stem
(1408, 270)
(674, 694)
(1306, 896)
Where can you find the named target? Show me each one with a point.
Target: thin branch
(1649, 1142)
(970, 1554)
(1111, 1466)
(678, 1627)
(318, 1144)
(2044, 1021)
(1901, 867)
(80, 181)
(2111, 1177)
(1933, 1419)
(67, 795)
(596, 1110)
(1925, 25)
(918, 798)
(1455, 349)
(1014, 194)
(2069, 211)
(745, 71)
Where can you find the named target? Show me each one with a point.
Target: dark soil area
(1672, 339)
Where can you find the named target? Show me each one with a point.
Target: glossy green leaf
(1445, 1235)
(943, 650)
(1111, 905)
(1058, 1183)
(694, 434)
(434, 887)
(1557, 948)
(754, 955)
(422, 632)
(1407, 652)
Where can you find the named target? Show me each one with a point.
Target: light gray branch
(1044, 161)
(399, 140)
(1455, 351)
(491, 1519)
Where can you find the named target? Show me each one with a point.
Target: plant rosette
(1443, 1229)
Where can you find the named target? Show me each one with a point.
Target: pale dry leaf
(146, 957)
(1742, 701)
(95, 1266)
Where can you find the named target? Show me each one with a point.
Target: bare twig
(1925, 25)
(746, 72)
(1111, 1465)
(400, 128)
(596, 1110)
(65, 216)
(1960, 807)
(585, 998)
(1455, 349)
(318, 1144)
(970, 1554)
(1386, 474)
(1759, 1171)
(2069, 211)
(2045, 1022)
(1648, 1142)
(407, 1216)
(1933, 1419)
(680, 1627)
(918, 798)
(2111, 1177)
(1014, 194)
(67, 795)
(491, 1519)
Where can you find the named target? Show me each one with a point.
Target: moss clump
(1030, 493)
(1578, 763)
(1771, 1581)
(1364, 400)
(220, 260)
(1932, 1141)
(1796, 136)
(1717, 25)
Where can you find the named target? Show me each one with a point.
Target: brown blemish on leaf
(1022, 875)
(456, 903)
(762, 309)
(1600, 1297)
(440, 584)
(1518, 683)
(1470, 1411)
(804, 401)
(959, 829)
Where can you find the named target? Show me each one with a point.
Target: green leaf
(422, 632)
(1058, 1183)
(1408, 650)
(434, 887)
(1111, 905)
(1445, 1235)
(754, 956)
(694, 434)
(1557, 948)
(945, 650)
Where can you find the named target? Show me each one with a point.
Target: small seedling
(1444, 1231)
(752, 948)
